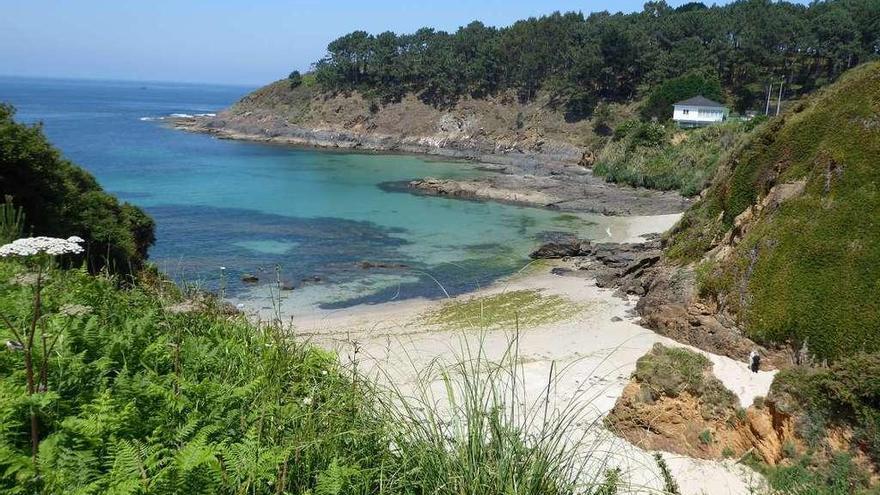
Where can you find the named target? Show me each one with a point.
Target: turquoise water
(250, 208)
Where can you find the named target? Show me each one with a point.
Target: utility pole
(779, 101)
(769, 92)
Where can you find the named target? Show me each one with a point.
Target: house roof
(700, 101)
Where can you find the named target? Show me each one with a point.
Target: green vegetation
(807, 476)
(669, 484)
(671, 371)
(706, 437)
(504, 310)
(59, 198)
(11, 221)
(581, 59)
(295, 79)
(807, 272)
(845, 394)
(651, 155)
(659, 104)
(148, 391)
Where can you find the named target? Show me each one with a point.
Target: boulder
(562, 249)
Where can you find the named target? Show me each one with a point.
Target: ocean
(307, 217)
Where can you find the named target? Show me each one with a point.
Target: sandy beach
(590, 352)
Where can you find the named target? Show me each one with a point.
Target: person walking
(754, 361)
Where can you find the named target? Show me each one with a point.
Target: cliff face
(784, 248)
(497, 129)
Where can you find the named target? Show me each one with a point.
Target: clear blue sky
(224, 41)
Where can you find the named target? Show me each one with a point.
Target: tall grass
(149, 391)
(468, 426)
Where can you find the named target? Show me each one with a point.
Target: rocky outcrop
(481, 190)
(562, 249)
(675, 403)
(679, 425)
(495, 130)
(668, 302)
(671, 307)
(563, 188)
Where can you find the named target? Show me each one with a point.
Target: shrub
(845, 394)
(623, 130)
(642, 155)
(295, 79)
(789, 449)
(706, 437)
(808, 476)
(602, 119)
(11, 221)
(648, 134)
(60, 199)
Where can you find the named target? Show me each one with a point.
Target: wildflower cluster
(32, 246)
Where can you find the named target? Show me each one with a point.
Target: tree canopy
(659, 103)
(582, 59)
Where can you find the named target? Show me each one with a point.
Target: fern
(335, 479)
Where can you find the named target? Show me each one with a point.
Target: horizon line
(128, 80)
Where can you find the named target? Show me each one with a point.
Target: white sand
(592, 355)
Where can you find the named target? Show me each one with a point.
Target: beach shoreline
(597, 345)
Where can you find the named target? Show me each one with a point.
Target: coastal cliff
(497, 129)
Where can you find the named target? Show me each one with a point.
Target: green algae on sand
(503, 310)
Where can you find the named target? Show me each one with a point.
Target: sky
(225, 41)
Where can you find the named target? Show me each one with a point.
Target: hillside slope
(496, 129)
(785, 245)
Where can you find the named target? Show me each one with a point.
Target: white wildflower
(32, 246)
(307, 401)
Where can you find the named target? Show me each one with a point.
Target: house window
(686, 111)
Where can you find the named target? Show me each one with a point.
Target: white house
(698, 111)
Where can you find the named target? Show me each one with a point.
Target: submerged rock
(249, 278)
(366, 265)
